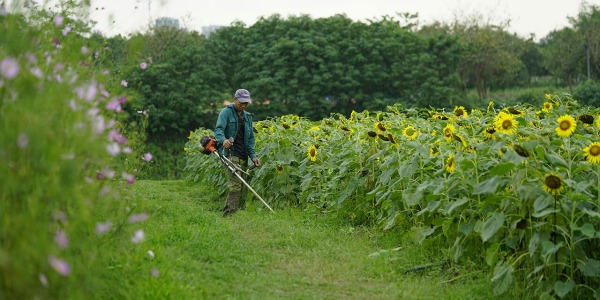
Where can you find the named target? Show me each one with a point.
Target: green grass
(257, 254)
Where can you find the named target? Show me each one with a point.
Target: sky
(539, 17)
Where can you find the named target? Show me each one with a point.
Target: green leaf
(488, 186)
(541, 203)
(502, 277)
(544, 213)
(563, 288)
(587, 229)
(491, 254)
(456, 204)
(589, 267)
(492, 225)
(502, 169)
(555, 159)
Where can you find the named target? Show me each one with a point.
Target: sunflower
(391, 138)
(514, 111)
(547, 107)
(312, 153)
(409, 132)
(490, 107)
(449, 131)
(383, 137)
(553, 184)
(450, 164)
(505, 123)
(598, 122)
(279, 169)
(586, 119)
(521, 151)
(566, 126)
(372, 133)
(460, 111)
(459, 138)
(489, 133)
(591, 153)
(434, 150)
(380, 127)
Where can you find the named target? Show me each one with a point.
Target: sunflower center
(410, 131)
(595, 150)
(460, 112)
(381, 127)
(506, 124)
(553, 182)
(313, 152)
(447, 132)
(565, 125)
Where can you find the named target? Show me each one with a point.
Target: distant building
(207, 30)
(167, 22)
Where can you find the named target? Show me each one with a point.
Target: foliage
(588, 93)
(64, 195)
(513, 187)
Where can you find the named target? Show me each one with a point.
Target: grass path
(289, 254)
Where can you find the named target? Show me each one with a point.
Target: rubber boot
(232, 204)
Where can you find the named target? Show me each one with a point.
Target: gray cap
(243, 96)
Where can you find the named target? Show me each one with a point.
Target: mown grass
(257, 254)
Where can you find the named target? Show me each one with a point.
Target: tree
(563, 55)
(587, 24)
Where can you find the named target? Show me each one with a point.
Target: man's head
(241, 99)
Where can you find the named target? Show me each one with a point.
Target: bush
(588, 93)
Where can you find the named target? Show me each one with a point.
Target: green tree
(564, 58)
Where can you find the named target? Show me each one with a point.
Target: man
(234, 122)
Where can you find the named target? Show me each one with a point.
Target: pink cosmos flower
(114, 104)
(154, 272)
(22, 140)
(113, 149)
(130, 180)
(151, 254)
(43, 280)
(67, 30)
(59, 265)
(103, 227)
(138, 237)
(138, 218)
(124, 83)
(58, 20)
(127, 150)
(61, 239)
(148, 156)
(85, 50)
(9, 68)
(143, 65)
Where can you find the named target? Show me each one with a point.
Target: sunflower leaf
(502, 168)
(492, 225)
(487, 186)
(555, 159)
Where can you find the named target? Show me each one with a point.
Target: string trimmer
(208, 146)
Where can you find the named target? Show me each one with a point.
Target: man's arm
(220, 127)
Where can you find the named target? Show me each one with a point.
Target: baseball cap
(243, 96)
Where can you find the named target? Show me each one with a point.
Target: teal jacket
(227, 125)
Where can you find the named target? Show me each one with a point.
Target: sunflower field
(516, 189)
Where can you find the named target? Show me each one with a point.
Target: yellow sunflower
(553, 184)
(592, 153)
(279, 169)
(450, 164)
(489, 133)
(312, 153)
(547, 107)
(391, 139)
(409, 132)
(460, 111)
(598, 122)
(380, 127)
(434, 150)
(460, 139)
(449, 131)
(490, 107)
(566, 126)
(505, 123)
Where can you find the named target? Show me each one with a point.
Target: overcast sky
(527, 16)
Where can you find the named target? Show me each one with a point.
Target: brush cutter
(208, 146)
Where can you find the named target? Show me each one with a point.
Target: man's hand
(256, 162)
(227, 144)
